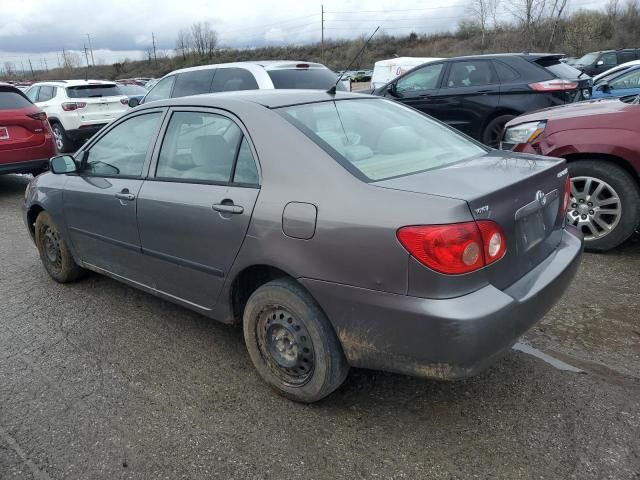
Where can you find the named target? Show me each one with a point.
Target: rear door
(469, 96)
(195, 208)
(46, 96)
(419, 89)
(100, 202)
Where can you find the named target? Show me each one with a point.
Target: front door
(419, 88)
(100, 202)
(195, 208)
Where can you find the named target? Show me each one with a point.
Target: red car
(26, 141)
(600, 140)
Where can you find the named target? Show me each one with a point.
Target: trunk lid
(503, 187)
(18, 130)
(103, 101)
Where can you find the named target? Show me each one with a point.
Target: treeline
(534, 25)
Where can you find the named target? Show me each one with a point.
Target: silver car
(340, 230)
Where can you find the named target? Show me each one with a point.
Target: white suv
(228, 77)
(77, 108)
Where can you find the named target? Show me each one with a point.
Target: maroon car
(26, 141)
(600, 139)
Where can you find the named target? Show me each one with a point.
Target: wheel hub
(595, 207)
(286, 345)
(52, 249)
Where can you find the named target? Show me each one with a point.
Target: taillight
(553, 85)
(38, 116)
(124, 101)
(456, 248)
(71, 106)
(566, 197)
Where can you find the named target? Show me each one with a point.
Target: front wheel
(604, 203)
(493, 131)
(291, 342)
(54, 253)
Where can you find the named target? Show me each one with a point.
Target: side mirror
(599, 63)
(604, 86)
(392, 90)
(63, 164)
(134, 102)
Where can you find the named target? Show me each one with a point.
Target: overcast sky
(39, 29)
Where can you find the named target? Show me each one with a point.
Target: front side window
(46, 94)
(232, 79)
(161, 91)
(609, 59)
(122, 151)
(425, 78)
(626, 81)
(473, 73)
(380, 139)
(193, 83)
(199, 147)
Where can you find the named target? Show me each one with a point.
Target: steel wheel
(286, 345)
(52, 249)
(595, 207)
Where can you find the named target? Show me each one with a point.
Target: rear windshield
(559, 69)
(10, 100)
(90, 91)
(380, 139)
(311, 78)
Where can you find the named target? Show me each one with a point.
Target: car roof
(74, 83)
(253, 65)
(528, 56)
(269, 98)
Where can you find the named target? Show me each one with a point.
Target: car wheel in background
(54, 253)
(605, 203)
(291, 342)
(63, 142)
(493, 131)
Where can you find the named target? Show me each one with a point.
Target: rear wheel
(604, 203)
(291, 342)
(63, 142)
(54, 253)
(493, 131)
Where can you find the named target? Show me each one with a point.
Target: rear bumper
(24, 167)
(85, 132)
(450, 338)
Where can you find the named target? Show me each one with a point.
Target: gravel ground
(101, 381)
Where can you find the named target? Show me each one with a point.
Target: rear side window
(472, 73)
(10, 100)
(193, 83)
(305, 78)
(505, 72)
(32, 93)
(46, 94)
(161, 91)
(92, 91)
(231, 79)
(626, 56)
(380, 139)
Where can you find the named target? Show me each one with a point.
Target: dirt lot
(100, 381)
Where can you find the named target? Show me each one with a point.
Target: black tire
(625, 187)
(492, 133)
(54, 253)
(282, 310)
(63, 142)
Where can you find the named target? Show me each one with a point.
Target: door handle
(486, 91)
(125, 195)
(228, 208)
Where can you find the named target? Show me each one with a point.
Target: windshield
(380, 139)
(132, 89)
(305, 78)
(587, 59)
(89, 91)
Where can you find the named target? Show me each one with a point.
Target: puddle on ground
(559, 364)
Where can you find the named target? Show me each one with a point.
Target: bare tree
(204, 39)
(613, 9)
(527, 14)
(183, 43)
(70, 60)
(9, 69)
(557, 10)
(481, 11)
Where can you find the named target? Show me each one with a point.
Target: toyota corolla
(339, 229)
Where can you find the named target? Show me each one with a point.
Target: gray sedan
(339, 230)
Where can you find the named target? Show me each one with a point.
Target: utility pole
(21, 68)
(86, 56)
(93, 62)
(153, 40)
(46, 67)
(322, 30)
(30, 67)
